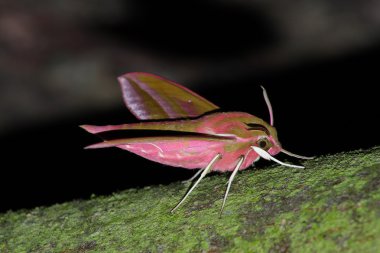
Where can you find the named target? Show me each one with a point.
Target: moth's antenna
(268, 105)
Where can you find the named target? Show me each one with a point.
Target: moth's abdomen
(190, 154)
(187, 154)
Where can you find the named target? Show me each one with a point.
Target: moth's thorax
(238, 125)
(228, 122)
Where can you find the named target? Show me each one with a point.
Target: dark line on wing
(140, 133)
(253, 126)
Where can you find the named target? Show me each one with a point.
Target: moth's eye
(263, 143)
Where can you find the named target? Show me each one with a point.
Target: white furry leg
(240, 162)
(205, 171)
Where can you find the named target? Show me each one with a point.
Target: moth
(182, 129)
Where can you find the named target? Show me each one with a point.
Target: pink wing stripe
(98, 129)
(133, 100)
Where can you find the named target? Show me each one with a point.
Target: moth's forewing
(150, 97)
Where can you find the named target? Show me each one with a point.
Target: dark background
(59, 61)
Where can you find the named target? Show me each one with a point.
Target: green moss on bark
(332, 205)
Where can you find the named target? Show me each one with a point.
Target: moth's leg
(205, 171)
(193, 177)
(240, 161)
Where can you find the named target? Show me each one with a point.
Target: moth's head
(266, 137)
(267, 145)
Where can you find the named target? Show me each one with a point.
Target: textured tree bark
(332, 205)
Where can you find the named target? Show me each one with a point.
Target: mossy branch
(333, 205)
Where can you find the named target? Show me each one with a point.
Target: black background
(321, 105)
